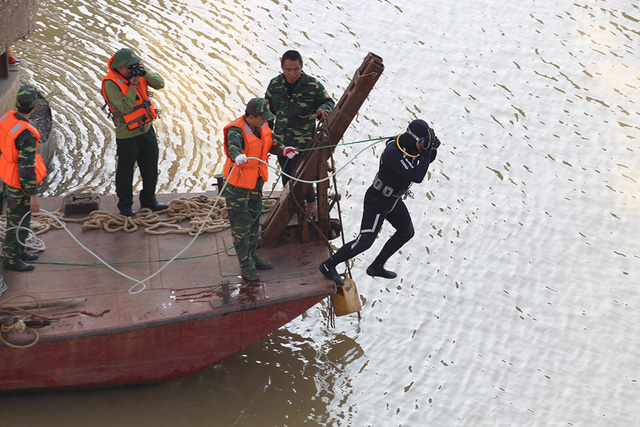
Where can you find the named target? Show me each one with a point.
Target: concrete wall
(17, 21)
(9, 88)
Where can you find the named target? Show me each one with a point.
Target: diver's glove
(290, 152)
(435, 144)
(241, 159)
(430, 142)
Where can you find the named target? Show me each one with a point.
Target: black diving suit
(401, 164)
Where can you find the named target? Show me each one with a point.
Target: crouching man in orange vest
(249, 136)
(21, 169)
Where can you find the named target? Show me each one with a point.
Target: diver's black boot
(378, 270)
(329, 271)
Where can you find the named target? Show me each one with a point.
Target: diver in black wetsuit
(405, 160)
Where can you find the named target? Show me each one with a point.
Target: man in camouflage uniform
(22, 194)
(297, 100)
(246, 137)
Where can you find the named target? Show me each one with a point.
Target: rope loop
(13, 318)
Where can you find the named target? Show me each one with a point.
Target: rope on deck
(197, 210)
(194, 209)
(13, 320)
(128, 223)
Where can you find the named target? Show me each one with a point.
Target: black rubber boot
(18, 266)
(156, 206)
(377, 270)
(28, 256)
(128, 211)
(260, 263)
(329, 271)
(250, 276)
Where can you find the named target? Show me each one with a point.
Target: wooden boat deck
(185, 287)
(188, 290)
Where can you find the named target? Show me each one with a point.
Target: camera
(136, 70)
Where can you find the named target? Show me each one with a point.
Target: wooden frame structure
(313, 166)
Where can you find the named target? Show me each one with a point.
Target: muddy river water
(517, 302)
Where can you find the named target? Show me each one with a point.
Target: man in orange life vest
(126, 91)
(21, 170)
(245, 137)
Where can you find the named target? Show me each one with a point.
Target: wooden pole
(313, 164)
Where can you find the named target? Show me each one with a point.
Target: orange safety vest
(10, 128)
(246, 175)
(144, 109)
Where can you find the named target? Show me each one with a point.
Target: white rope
(132, 289)
(330, 176)
(32, 241)
(141, 283)
(3, 286)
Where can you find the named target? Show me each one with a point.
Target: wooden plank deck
(188, 292)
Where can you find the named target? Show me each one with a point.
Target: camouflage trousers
(243, 207)
(18, 204)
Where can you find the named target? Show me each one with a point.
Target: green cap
(27, 97)
(124, 58)
(259, 107)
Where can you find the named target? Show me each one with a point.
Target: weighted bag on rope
(346, 299)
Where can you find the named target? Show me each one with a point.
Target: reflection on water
(203, 53)
(516, 302)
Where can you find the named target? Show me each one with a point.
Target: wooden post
(313, 164)
(4, 67)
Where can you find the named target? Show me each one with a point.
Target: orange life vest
(246, 175)
(10, 128)
(144, 109)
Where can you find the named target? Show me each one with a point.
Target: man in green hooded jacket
(126, 92)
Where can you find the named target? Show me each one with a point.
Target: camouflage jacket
(295, 114)
(26, 146)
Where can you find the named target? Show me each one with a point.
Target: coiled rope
(13, 318)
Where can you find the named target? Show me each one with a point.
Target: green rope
(344, 143)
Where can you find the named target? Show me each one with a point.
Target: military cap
(27, 97)
(259, 107)
(124, 58)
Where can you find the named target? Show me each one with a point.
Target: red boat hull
(143, 355)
